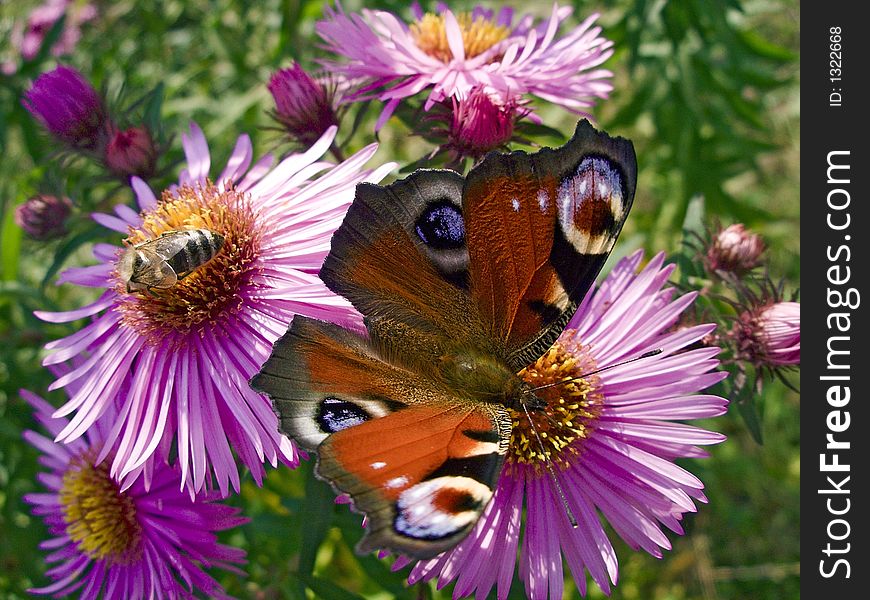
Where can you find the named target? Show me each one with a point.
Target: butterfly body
(462, 282)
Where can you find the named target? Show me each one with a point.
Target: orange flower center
(210, 291)
(572, 408)
(478, 35)
(99, 517)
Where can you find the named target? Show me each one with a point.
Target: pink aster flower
(611, 439)
(452, 53)
(136, 543)
(178, 357)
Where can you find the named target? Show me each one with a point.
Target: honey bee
(160, 263)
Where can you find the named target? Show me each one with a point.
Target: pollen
(571, 412)
(211, 292)
(98, 516)
(478, 35)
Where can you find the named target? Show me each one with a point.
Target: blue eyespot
(441, 226)
(334, 415)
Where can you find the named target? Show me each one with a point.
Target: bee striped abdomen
(200, 247)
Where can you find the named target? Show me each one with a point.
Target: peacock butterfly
(462, 282)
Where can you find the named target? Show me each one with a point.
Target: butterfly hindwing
(539, 228)
(387, 437)
(422, 475)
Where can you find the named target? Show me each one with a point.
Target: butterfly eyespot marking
(334, 414)
(591, 204)
(440, 507)
(441, 226)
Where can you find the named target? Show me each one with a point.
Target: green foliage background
(708, 91)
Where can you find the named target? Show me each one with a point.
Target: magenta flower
(69, 108)
(453, 53)
(134, 543)
(611, 439)
(28, 39)
(305, 107)
(178, 359)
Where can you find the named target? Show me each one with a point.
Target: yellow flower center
(99, 517)
(572, 408)
(478, 35)
(210, 292)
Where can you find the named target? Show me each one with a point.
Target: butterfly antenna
(549, 465)
(596, 371)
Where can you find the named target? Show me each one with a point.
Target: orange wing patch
(396, 453)
(422, 476)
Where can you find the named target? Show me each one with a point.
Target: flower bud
(43, 217)
(302, 105)
(780, 333)
(479, 124)
(69, 108)
(131, 152)
(771, 335)
(734, 250)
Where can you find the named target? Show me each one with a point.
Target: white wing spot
(396, 482)
(543, 200)
(516, 204)
(378, 465)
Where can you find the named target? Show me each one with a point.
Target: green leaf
(153, 107)
(693, 222)
(362, 110)
(68, 248)
(317, 511)
(24, 294)
(324, 588)
(745, 393)
(761, 47)
(533, 130)
(10, 245)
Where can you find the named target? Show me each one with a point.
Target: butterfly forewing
(400, 258)
(539, 229)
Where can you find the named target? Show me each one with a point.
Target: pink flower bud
(779, 332)
(480, 124)
(131, 152)
(735, 250)
(303, 106)
(43, 217)
(69, 108)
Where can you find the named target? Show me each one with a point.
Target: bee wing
(160, 276)
(168, 246)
